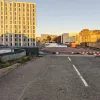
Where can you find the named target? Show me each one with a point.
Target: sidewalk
(6, 70)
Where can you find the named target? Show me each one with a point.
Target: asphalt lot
(54, 78)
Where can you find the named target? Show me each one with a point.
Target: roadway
(54, 77)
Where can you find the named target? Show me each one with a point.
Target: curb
(5, 71)
(87, 53)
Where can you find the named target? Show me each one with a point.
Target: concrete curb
(5, 71)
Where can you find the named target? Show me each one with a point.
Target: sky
(66, 16)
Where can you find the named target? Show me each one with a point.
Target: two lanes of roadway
(54, 78)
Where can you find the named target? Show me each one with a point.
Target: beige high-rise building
(17, 23)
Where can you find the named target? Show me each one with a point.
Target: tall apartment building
(17, 23)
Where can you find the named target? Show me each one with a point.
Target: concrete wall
(5, 58)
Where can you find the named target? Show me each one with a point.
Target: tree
(49, 38)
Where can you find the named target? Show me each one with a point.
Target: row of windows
(19, 44)
(19, 14)
(17, 26)
(16, 39)
(16, 22)
(18, 4)
(15, 17)
(16, 31)
(18, 35)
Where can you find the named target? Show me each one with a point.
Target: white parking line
(69, 58)
(83, 80)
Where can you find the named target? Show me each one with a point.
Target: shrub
(24, 59)
(3, 65)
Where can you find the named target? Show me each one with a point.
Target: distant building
(65, 38)
(72, 39)
(88, 36)
(68, 38)
(16, 19)
(44, 37)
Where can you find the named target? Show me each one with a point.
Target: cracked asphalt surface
(53, 78)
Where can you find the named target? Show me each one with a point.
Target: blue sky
(57, 17)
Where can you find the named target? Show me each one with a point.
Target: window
(6, 17)
(23, 22)
(15, 22)
(6, 13)
(1, 3)
(33, 23)
(10, 37)
(1, 13)
(24, 39)
(33, 27)
(15, 39)
(6, 39)
(10, 22)
(10, 4)
(24, 31)
(23, 5)
(23, 18)
(19, 22)
(1, 26)
(15, 18)
(10, 13)
(15, 10)
(19, 18)
(19, 9)
(1, 22)
(27, 5)
(19, 44)
(10, 17)
(1, 17)
(15, 35)
(10, 8)
(15, 31)
(19, 35)
(18, 4)
(33, 31)
(16, 44)
(5, 4)
(14, 4)
(24, 27)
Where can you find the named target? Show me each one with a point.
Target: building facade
(88, 36)
(65, 38)
(17, 20)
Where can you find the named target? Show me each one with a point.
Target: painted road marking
(69, 58)
(83, 80)
(75, 55)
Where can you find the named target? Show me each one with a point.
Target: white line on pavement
(69, 58)
(85, 83)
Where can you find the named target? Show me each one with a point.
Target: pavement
(54, 77)
(67, 49)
